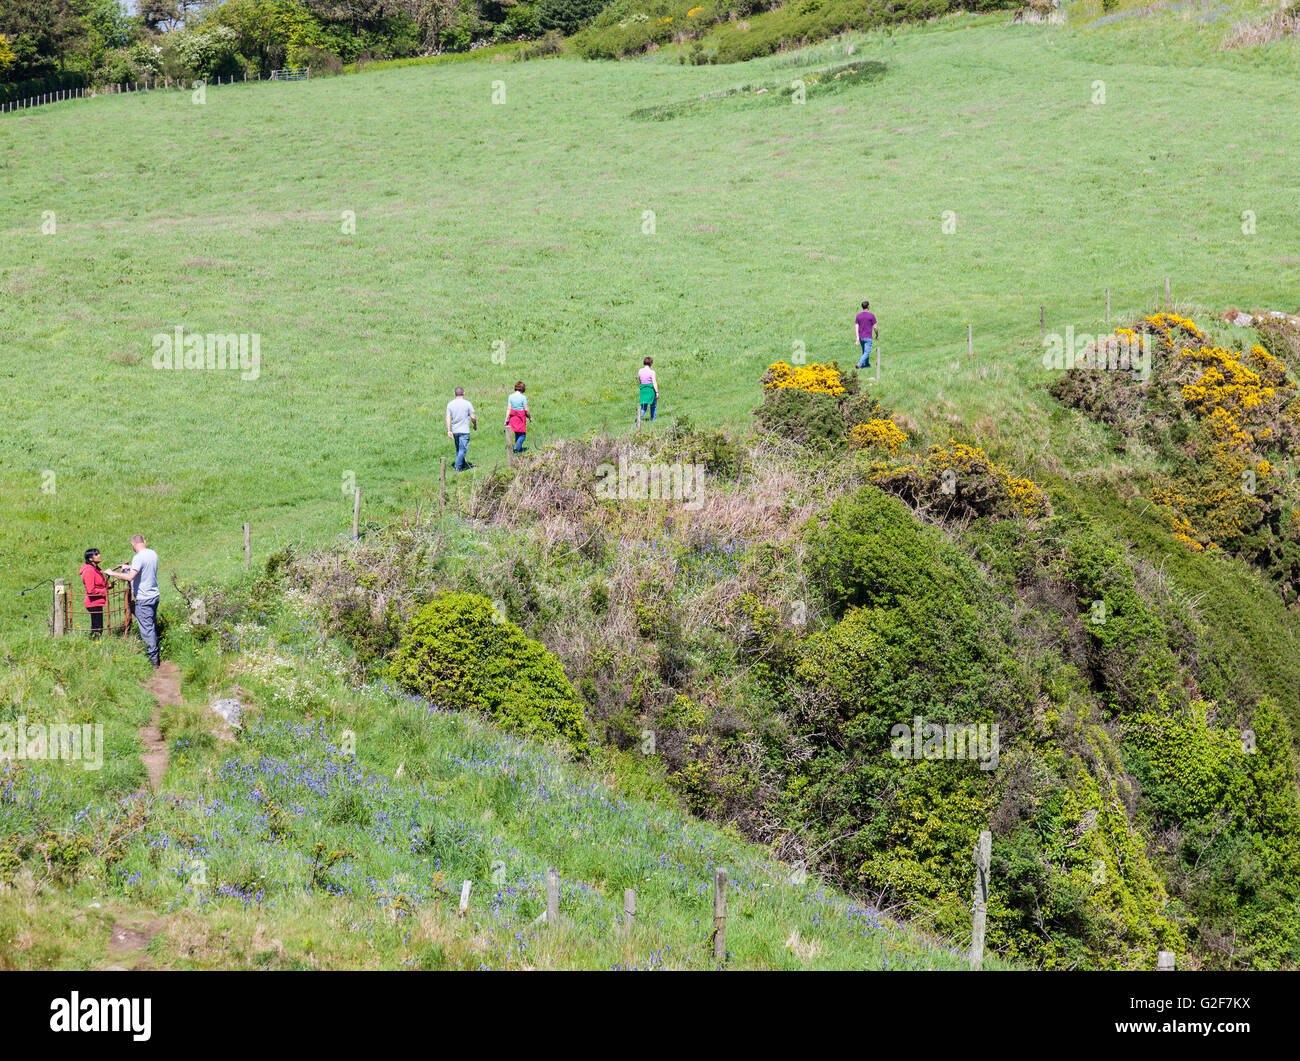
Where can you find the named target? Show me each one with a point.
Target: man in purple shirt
(866, 321)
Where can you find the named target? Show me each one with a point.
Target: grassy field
(520, 229)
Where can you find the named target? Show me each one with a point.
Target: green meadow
(557, 238)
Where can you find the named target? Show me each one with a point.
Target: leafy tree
(111, 24)
(567, 15)
(266, 30)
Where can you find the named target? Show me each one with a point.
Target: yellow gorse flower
(880, 434)
(816, 379)
(971, 462)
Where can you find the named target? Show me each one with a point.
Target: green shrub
(869, 550)
(1128, 641)
(1224, 799)
(721, 457)
(806, 417)
(459, 653)
(566, 15)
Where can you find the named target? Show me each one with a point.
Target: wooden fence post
(442, 479)
(510, 449)
(970, 340)
(60, 604)
(248, 547)
(356, 512)
(629, 910)
(720, 913)
(980, 907)
(464, 898)
(1165, 961)
(552, 895)
(1042, 321)
(1168, 303)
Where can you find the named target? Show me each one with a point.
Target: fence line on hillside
(129, 87)
(550, 916)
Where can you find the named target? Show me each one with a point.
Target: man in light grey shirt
(460, 418)
(142, 573)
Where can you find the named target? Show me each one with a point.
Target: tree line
(49, 44)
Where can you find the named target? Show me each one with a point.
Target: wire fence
(157, 85)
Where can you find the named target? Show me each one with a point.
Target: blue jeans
(519, 441)
(462, 447)
(866, 353)
(146, 616)
(652, 406)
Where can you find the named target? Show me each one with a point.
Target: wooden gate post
(60, 607)
(719, 914)
(552, 895)
(980, 906)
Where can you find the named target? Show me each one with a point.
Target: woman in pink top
(649, 396)
(517, 415)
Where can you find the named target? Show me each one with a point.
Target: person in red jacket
(96, 591)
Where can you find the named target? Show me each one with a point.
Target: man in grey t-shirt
(460, 418)
(142, 573)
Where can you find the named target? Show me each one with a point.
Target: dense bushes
(762, 677)
(459, 652)
(566, 16)
(101, 43)
(1221, 421)
(1221, 797)
(926, 637)
(1127, 647)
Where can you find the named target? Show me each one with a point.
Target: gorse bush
(821, 405)
(1222, 422)
(807, 417)
(961, 482)
(459, 652)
